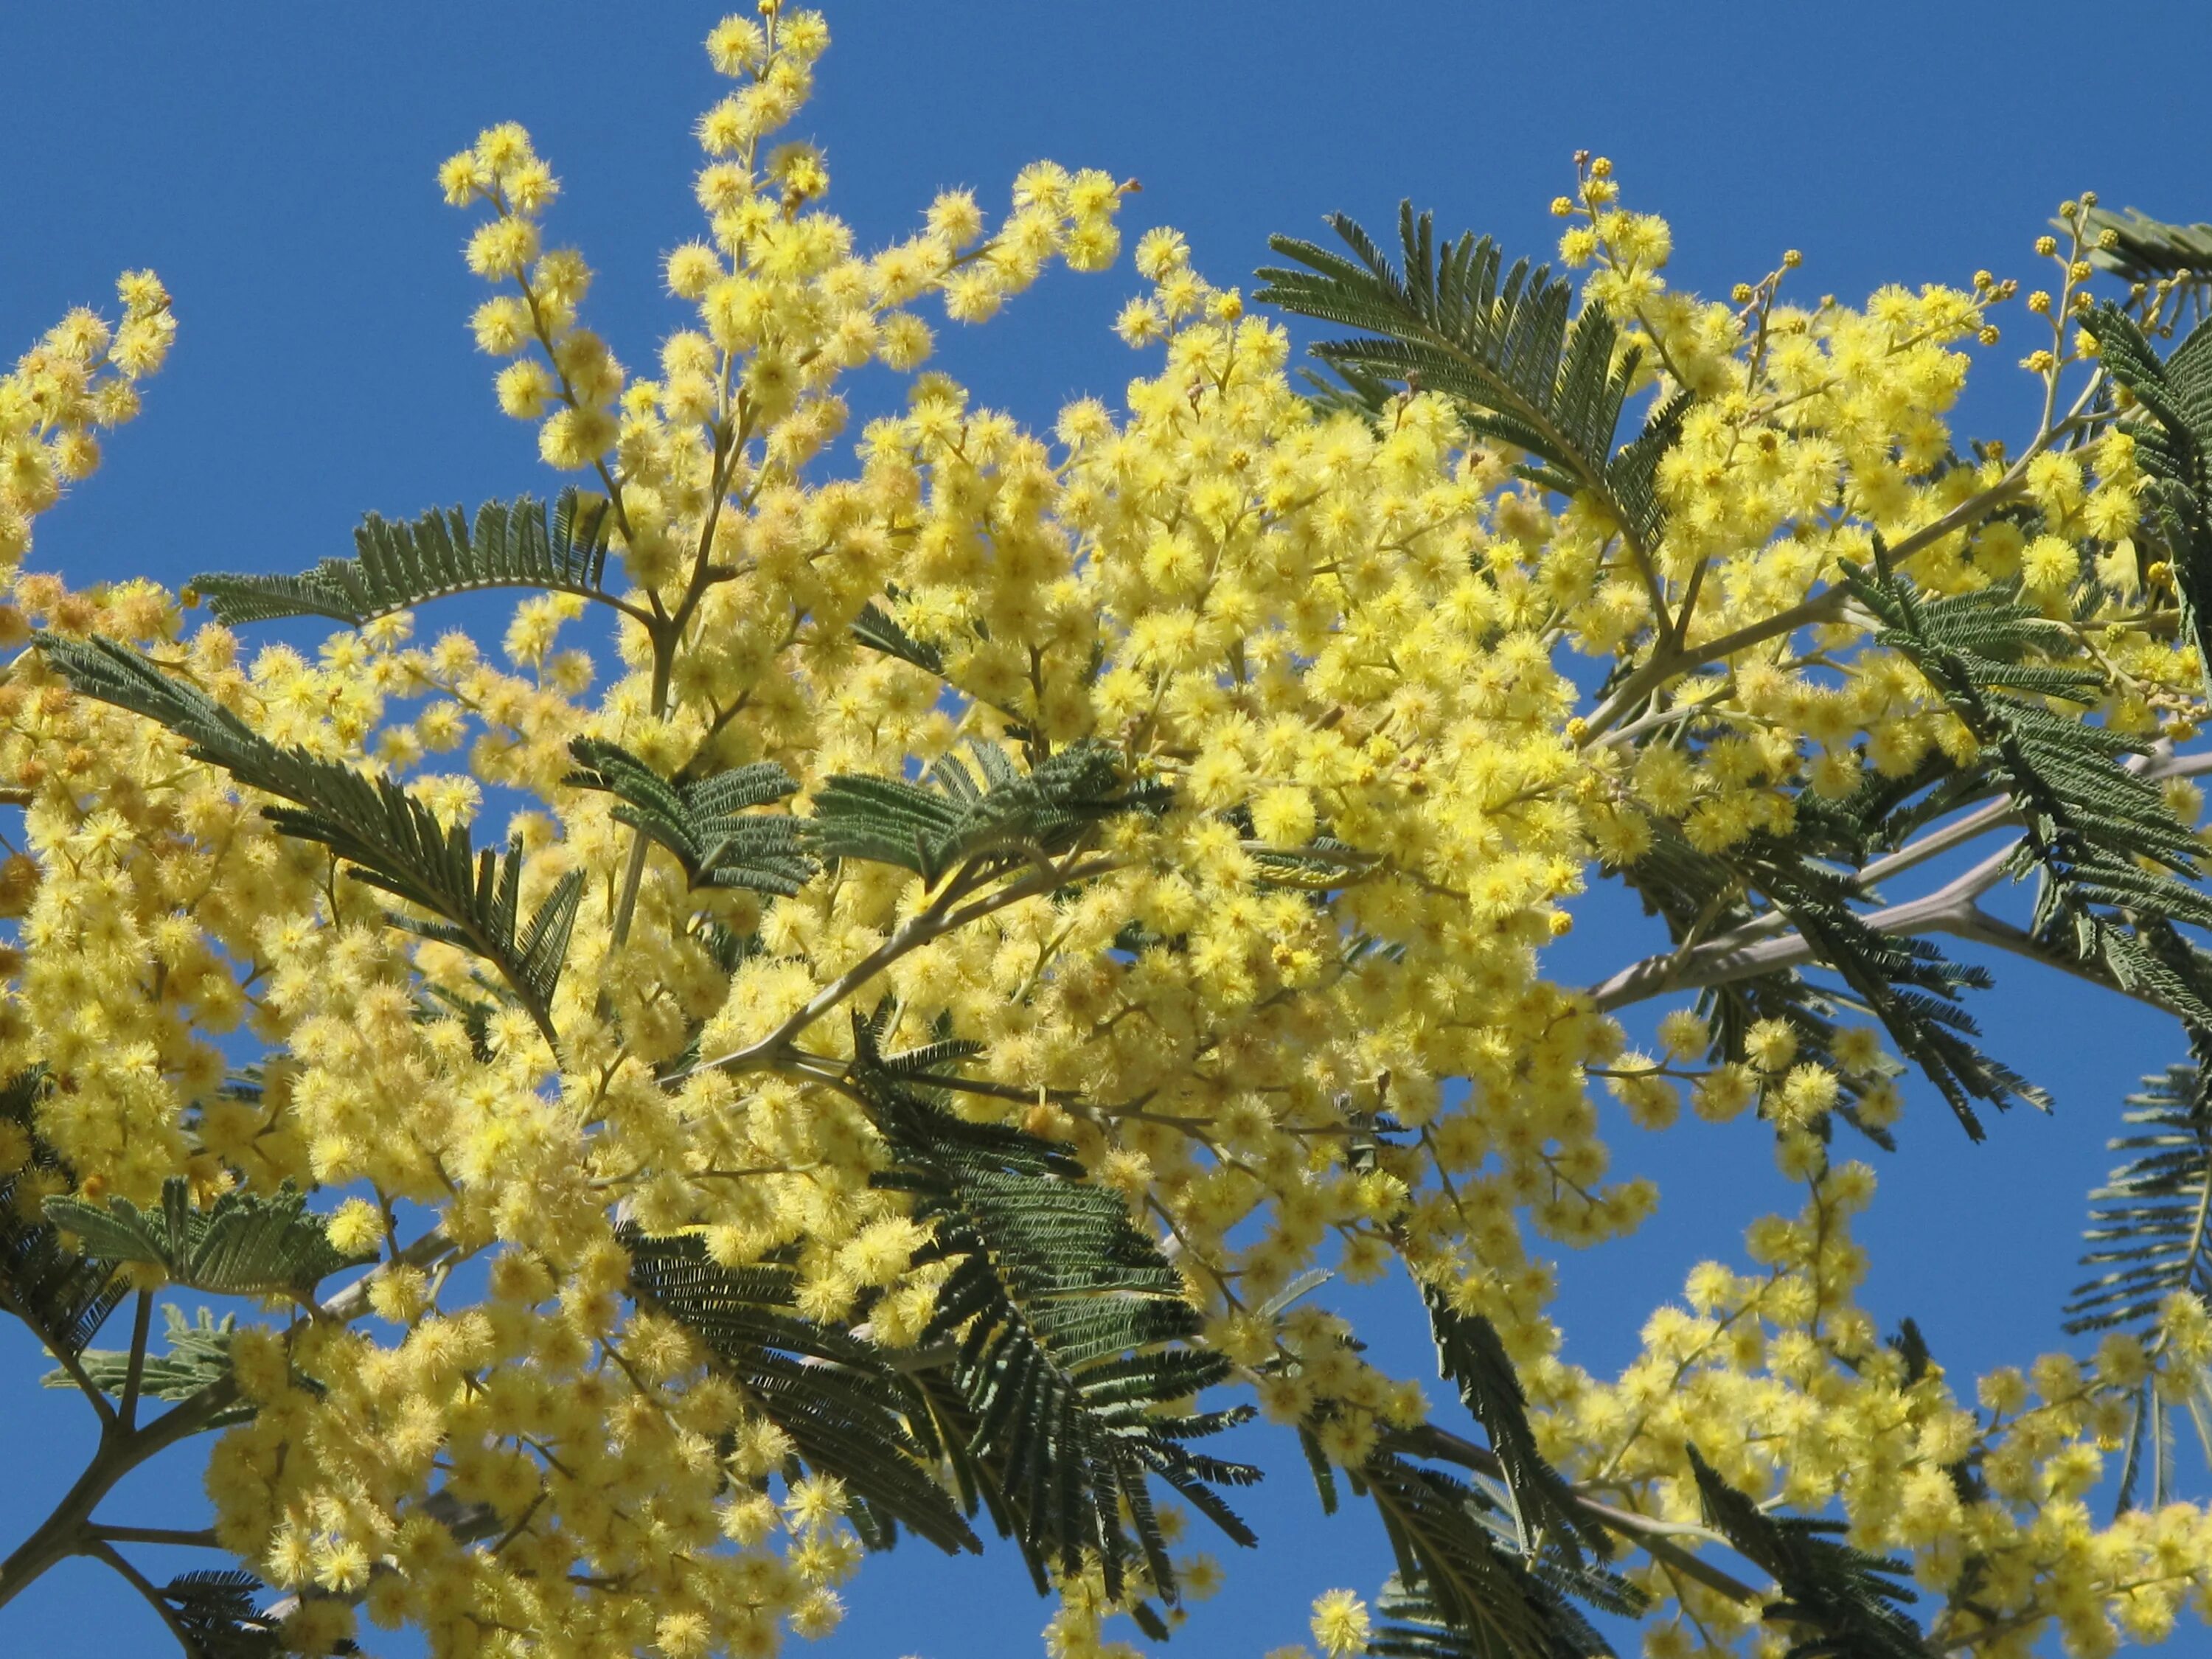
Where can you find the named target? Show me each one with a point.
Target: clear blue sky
(275, 162)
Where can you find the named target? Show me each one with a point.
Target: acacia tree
(1025, 911)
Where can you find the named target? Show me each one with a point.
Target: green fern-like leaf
(1003, 819)
(706, 823)
(878, 630)
(399, 565)
(2115, 867)
(848, 1411)
(2150, 1225)
(394, 841)
(1508, 349)
(1839, 1602)
(198, 1356)
(1907, 983)
(1461, 1592)
(244, 1245)
(218, 1615)
(62, 1294)
(1472, 1359)
(2150, 1239)
(1414, 1627)
(2144, 249)
(1808, 880)
(2173, 432)
(1071, 1347)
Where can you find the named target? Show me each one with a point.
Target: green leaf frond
(1071, 1352)
(244, 1245)
(1839, 1602)
(62, 1294)
(1472, 1359)
(1809, 879)
(1905, 982)
(518, 544)
(953, 817)
(2115, 866)
(199, 1357)
(392, 840)
(2150, 1225)
(878, 630)
(1509, 350)
(2173, 432)
(847, 1409)
(218, 1615)
(2144, 249)
(1415, 1627)
(1463, 1592)
(706, 823)
(1047, 1390)
(2150, 1238)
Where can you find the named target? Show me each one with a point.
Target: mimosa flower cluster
(1300, 1017)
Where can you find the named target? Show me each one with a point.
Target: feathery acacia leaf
(198, 1356)
(394, 841)
(1905, 982)
(1472, 1359)
(953, 817)
(2150, 1225)
(1416, 1627)
(704, 823)
(878, 630)
(399, 565)
(1840, 1602)
(2150, 1233)
(244, 1245)
(1808, 879)
(218, 1616)
(1507, 349)
(847, 1409)
(2173, 432)
(63, 1296)
(2090, 825)
(1071, 1338)
(2144, 249)
(1461, 1591)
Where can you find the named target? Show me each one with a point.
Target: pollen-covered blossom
(79, 380)
(1296, 1016)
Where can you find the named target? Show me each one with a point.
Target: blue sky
(275, 163)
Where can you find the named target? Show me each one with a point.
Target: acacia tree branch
(70, 1529)
(181, 1537)
(144, 1586)
(1761, 945)
(1668, 660)
(1949, 910)
(940, 918)
(141, 1326)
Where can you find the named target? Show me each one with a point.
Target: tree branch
(1949, 910)
(139, 1582)
(109, 1423)
(911, 934)
(142, 1325)
(198, 1538)
(1760, 946)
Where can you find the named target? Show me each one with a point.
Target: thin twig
(198, 1538)
(144, 1586)
(916, 930)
